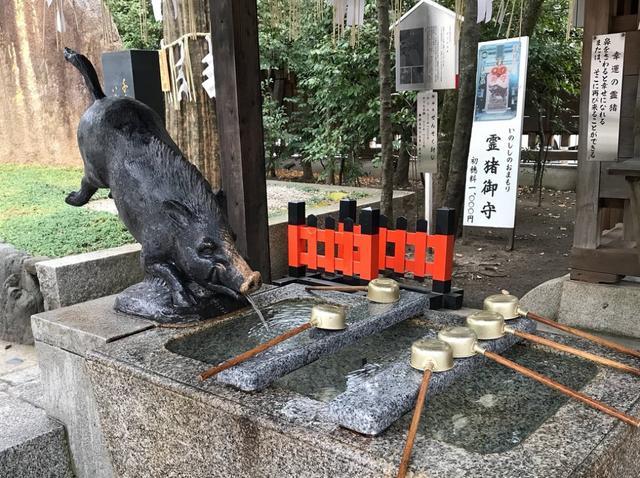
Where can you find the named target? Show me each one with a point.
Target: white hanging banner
(494, 152)
(427, 132)
(605, 94)
(209, 84)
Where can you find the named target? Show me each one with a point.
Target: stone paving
(31, 443)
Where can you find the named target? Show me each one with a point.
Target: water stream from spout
(258, 312)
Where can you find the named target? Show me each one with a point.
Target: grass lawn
(35, 218)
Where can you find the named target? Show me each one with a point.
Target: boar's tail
(87, 70)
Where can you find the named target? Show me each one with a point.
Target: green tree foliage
(334, 113)
(126, 16)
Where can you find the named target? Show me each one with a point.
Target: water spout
(258, 312)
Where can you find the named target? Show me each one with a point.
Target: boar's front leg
(81, 197)
(180, 296)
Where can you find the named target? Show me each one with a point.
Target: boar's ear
(179, 213)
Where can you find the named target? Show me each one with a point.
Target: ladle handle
(585, 335)
(337, 288)
(563, 389)
(254, 351)
(415, 421)
(580, 353)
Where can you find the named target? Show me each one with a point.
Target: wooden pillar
(234, 25)
(587, 231)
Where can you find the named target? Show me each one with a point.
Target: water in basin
(227, 339)
(329, 376)
(493, 409)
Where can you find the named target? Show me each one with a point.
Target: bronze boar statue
(192, 268)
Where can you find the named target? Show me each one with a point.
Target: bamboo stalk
(413, 428)
(254, 351)
(591, 402)
(585, 335)
(579, 353)
(337, 288)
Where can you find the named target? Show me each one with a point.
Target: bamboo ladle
(464, 343)
(427, 355)
(509, 307)
(323, 316)
(491, 325)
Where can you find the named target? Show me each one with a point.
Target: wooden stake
(563, 389)
(579, 353)
(413, 428)
(254, 351)
(585, 335)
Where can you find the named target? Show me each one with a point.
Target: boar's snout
(253, 282)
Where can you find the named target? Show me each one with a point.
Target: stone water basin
(285, 308)
(487, 412)
(487, 423)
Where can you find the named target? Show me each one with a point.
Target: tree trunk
(307, 171)
(194, 126)
(530, 15)
(386, 137)
(446, 133)
(331, 173)
(401, 178)
(469, 37)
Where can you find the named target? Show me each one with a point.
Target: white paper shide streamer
(485, 10)
(181, 80)
(61, 23)
(209, 84)
(157, 9)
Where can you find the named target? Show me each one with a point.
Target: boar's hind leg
(80, 198)
(167, 273)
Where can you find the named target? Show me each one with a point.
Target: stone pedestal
(157, 419)
(63, 339)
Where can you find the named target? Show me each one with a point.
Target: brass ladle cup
(509, 306)
(427, 355)
(381, 290)
(323, 316)
(464, 343)
(491, 325)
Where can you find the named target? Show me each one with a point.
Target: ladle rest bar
(392, 392)
(363, 319)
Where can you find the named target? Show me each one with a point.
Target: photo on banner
(494, 151)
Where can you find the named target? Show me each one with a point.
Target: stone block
(32, 445)
(79, 278)
(544, 299)
(63, 337)
(609, 308)
(68, 396)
